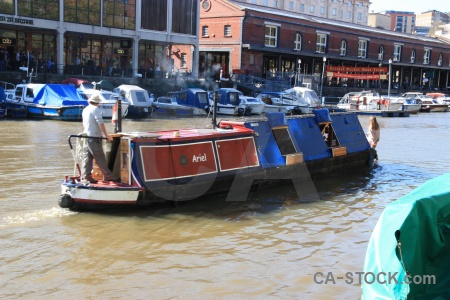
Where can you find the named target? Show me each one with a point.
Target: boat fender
(65, 201)
(241, 111)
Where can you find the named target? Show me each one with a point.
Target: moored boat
(279, 102)
(44, 101)
(195, 99)
(139, 101)
(231, 157)
(107, 101)
(229, 102)
(168, 105)
(432, 105)
(18, 97)
(441, 98)
(407, 256)
(58, 102)
(2, 103)
(370, 100)
(306, 99)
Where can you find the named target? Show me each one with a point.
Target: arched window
(298, 42)
(440, 60)
(343, 49)
(413, 56)
(381, 53)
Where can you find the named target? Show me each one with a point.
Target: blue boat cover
(2, 95)
(322, 115)
(423, 219)
(349, 132)
(276, 119)
(227, 96)
(194, 97)
(269, 153)
(59, 95)
(308, 139)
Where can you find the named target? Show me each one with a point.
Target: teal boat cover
(418, 266)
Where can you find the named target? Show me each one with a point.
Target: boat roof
(129, 87)
(190, 133)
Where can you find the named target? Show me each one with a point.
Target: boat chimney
(214, 116)
(117, 116)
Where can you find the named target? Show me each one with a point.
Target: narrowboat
(232, 157)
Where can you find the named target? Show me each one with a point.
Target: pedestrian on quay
(373, 134)
(95, 129)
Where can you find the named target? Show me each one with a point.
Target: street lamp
(299, 67)
(323, 73)
(379, 84)
(389, 84)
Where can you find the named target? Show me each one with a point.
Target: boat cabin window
(19, 92)
(203, 98)
(30, 93)
(140, 96)
(267, 99)
(284, 140)
(182, 98)
(234, 98)
(164, 100)
(329, 134)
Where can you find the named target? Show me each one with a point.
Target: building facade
(428, 22)
(98, 37)
(269, 42)
(352, 11)
(379, 20)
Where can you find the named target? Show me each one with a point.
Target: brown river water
(268, 247)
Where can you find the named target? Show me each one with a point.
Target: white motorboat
(305, 99)
(108, 100)
(229, 102)
(169, 105)
(139, 100)
(432, 105)
(279, 102)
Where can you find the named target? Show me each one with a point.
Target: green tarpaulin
(422, 218)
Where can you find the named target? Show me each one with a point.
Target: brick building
(269, 42)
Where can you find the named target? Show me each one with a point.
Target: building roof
(318, 20)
